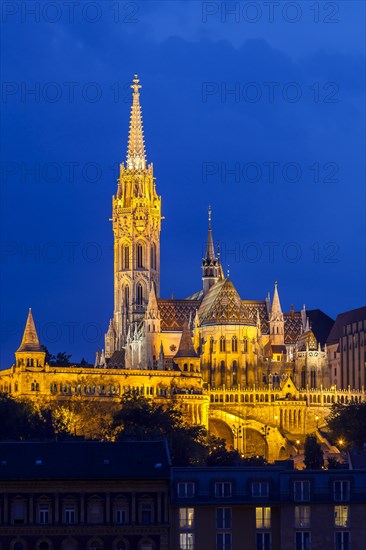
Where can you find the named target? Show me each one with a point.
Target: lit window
(302, 516)
(263, 541)
(341, 490)
(223, 489)
(223, 518)
(223, 541)
(260, 489)
(186, 518)
(186, 541)
(263, 518)
(234, 344)
(302, 491)
(222, 344)
(186, 489)
(342, 540)
(302, 540)
(341, 516)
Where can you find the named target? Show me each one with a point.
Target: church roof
(307, 338)
(222, 305)
(30, 340)
(173, 313)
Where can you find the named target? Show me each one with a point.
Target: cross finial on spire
(228, 271)
(209, 216)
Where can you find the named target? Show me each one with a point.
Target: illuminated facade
(238, 366)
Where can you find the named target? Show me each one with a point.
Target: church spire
(276, 305)
(30, 341)
(210, 264)
(136, 158)
(210, 250)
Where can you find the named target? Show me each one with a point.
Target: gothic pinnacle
(136, 158)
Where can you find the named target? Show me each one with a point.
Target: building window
(223, 489)
(234, 344)
(186, 541)
(263, 541)
(43, 515)
(121, 515)
(139, 294)
(70, 515)
(153, 256)
(222, 344)
(341, 491)
(95, 545)
(44, 545)
(245, 345)
(302, 516)
(223, 518)
(126, 257)
(127, 297)
(18, 545)
(185, 489)
(146, 513)
(302, 540)
(186, 518)
(341, 516)
(342, 540)
(19, 512)
(263, 518)
(302, 491)
(223, 541)
(139, 256)
(260, 489)
(95, 512)
(121, 545)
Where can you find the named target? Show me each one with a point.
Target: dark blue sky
(273, 93)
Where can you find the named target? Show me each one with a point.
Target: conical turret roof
(30, 341)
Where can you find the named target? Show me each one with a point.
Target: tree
(141, 419)
(62, 359)
(21, 420)
(314, 459)
(347, 423)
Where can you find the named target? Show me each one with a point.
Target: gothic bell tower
(136, 218)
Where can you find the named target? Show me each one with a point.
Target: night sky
(259, 113)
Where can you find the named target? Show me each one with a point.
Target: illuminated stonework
(244, 368)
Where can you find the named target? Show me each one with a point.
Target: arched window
(139, 255)
(127, 297)
(121, 545)
(95, 545)
(211, 344)
(235, 373)
(126, 257)
(44, 545)
(139, 295)
(153, 256)
(18, 545)
(245, 345)
(222, 373)
(222, 344)
(234, 344)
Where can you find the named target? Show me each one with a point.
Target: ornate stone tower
(30, 352)
(136, 218)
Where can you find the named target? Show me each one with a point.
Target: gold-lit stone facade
(246, 369)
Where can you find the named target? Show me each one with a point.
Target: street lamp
(317, 421)
(265, 430)
(237, 433)
(297, 445)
